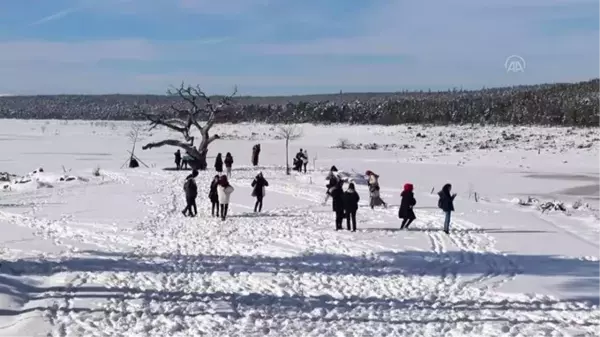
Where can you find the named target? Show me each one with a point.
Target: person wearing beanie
(406, 212)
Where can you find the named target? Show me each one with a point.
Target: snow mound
(39, 179)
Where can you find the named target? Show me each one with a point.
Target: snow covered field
(111, 255)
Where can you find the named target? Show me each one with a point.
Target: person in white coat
(224, 191)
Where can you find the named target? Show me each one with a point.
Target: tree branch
(170, 142)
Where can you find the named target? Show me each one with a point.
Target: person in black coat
(228, 163)
(259, 183)
(219, 163)
(191, 192)
(255, 154)
(446, 203)
(337, 196)
(178, 159)
(406, 212)
(351, 199)
(214, 196)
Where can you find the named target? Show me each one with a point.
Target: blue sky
(273, 47)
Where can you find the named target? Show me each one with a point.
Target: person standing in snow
(446, 203)
(337, 196)
(191, 192)
(228, 164)
(406, 212)
(351, 199)
(374, 188)
(255, 154)
(304, 159)
(333, 178)
(214, 196)
(298, 160)
(224, 191)
(219, 163)
(178, 159)
(259, 183)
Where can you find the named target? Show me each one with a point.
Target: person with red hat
(406, 212)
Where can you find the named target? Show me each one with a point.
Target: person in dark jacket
(178, 159)
(259, 183)
(214, 196)
(255, 154)
(191, 192)
(219, 163)
(333, 179)
(406, 212)
(446, 203)
(337, 196)
(298, 161)
(351, 199)
(228, 163)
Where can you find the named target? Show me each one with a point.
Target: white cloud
(56, 16)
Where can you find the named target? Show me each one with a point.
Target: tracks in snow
(287, 273)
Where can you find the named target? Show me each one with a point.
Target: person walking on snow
(214, 196)
(374, 188)
(337, 197)
(191, 192)
(228, 164)
(259, 183)
(219, 163)
(178, 159)
(446, 203)
(406, 212)
(351, 199)
(224, 191)
(304, 159)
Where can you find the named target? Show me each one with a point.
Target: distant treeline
(547, 104)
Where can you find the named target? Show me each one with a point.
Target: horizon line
(460, 89)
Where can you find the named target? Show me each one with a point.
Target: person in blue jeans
(446, 203)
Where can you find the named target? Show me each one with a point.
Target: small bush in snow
(552, 206)
(343, 143)
(96, 171)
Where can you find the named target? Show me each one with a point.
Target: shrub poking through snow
(96, 171)
(343, 144)
(552, 206)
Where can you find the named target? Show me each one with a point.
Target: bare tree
(288, 132)
(197, 106)
(135, 133)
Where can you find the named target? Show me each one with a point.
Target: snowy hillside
(88, 252)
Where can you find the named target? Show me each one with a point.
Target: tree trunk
(199, 162)
(287, 157)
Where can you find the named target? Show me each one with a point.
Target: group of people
(300, 161)
(228, 163)
(220, 193)
(345, 203)
(182, 162)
